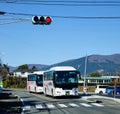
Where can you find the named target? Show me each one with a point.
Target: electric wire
(55, 2)
(65, 3)
(57, 16)
(5, 23)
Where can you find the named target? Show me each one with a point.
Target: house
(22, 73)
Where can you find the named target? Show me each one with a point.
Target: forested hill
(106, 64)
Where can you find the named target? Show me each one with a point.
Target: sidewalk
(94, 97)
(9, 104)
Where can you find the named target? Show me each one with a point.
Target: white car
(100, 89)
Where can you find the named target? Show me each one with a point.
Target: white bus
(61, 81)
(35, 82)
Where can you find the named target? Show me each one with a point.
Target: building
(22, 73)
(101, 79)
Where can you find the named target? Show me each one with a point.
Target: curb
(97, 96)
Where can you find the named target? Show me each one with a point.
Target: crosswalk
(42, 106)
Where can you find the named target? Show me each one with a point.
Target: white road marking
(39, 106)
(96, 104)
(85, 104)
(74, 105)
(26, 107)
(62, 105)
(50, 106)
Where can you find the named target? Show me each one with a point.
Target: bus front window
(66, 77)
(40, 80)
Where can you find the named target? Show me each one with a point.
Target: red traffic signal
(48, 20)
(41, 20)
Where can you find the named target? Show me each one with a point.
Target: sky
(23, 42)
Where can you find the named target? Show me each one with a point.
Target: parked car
(100, 89)
(112, 89)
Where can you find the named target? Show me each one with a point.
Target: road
(40, 104)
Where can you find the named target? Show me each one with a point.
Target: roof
(62, 68)
(38, 72)
(96, 78)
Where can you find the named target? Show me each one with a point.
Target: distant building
(102, 79)
(22, 73)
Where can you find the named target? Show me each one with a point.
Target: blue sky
(64, 39)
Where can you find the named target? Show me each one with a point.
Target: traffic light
(42, 20)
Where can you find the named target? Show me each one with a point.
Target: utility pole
(85, 88)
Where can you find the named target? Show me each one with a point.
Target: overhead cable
(65, 3)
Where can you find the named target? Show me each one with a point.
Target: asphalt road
(9, 104)
(40, 104)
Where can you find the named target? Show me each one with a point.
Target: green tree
(23, 67)
(4, 71)
(95, 74)
(7, 82)
(34, 68)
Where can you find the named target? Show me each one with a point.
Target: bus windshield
(66, 77)
(40, 80)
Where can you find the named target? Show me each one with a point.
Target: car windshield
(110, 87)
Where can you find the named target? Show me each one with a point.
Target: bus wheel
(52, 93)
(35, 90)
(101, 93)
(45, 92)
(29, 89)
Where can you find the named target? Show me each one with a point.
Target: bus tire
(35, 90)
(52, 92)
(29, 90)
(45, 92)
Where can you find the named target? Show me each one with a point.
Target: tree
(4, 71)
(34, 68)
(95, 74)
(23, 67)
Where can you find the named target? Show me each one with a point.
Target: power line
(57, 16)
(17, 19)
(72, 17)
(66, 3)
(5, 23)
(88, 17)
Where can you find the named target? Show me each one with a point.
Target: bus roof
(37, 72)
(62, 68)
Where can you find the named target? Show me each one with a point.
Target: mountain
(38, 66)
(106, 64)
